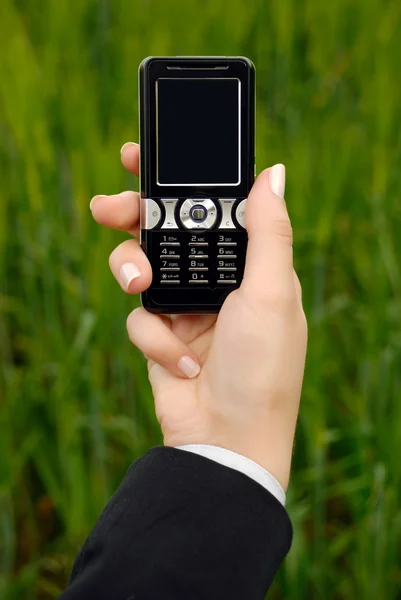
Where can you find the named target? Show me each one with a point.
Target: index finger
(130, 157)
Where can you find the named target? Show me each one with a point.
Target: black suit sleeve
(182, 526)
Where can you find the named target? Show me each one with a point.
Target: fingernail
(124, 146)
(92, 202)
(128, 273)
(188, 366)
(277, 180)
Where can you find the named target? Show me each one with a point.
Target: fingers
(269, 265)
(153, 336)
(191, 327)
(118, 211)
(130, 157)
(130, 267)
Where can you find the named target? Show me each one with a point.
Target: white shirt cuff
(240, 463)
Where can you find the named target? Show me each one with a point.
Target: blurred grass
(75, 404)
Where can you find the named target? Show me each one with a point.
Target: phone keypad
(198, 260)
(170, 278)
(198, 263)
(202, 263)
(198, 253)
(208, 258)
(226, 260)
(170, 263)
(225, 251)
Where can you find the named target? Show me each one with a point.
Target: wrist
(240, 463)
(272, 455)
(262, 436)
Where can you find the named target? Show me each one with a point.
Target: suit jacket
(182, 526)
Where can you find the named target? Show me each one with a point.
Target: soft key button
(226, 210)
(150, 213)
(169, 219)
(240, 213)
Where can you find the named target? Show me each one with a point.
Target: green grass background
(75, 405)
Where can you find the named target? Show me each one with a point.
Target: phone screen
(198, 124)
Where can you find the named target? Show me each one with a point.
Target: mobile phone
(197, 158)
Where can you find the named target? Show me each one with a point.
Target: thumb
(269, 264)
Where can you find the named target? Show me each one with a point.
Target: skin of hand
(234, 379)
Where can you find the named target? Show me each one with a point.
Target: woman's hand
(233, 379)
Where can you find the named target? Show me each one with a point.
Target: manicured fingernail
(128, 273)
(124, 146)
(188, 366)
(277, 180)
(92, 202)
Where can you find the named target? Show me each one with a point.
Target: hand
(234, 379)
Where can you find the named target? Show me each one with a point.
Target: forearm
(183, 526)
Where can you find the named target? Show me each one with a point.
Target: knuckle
(132, 321)
(278, 299)
(304, 321)
(283, 229)
(114, 255)
(280, 294)
(300, 324)
(120, 252)
(120, 221)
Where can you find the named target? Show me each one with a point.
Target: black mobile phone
(197, 162)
